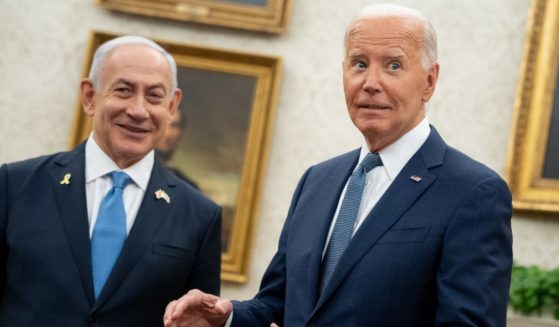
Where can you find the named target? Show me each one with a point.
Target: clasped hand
(198, 309)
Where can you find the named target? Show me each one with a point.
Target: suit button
(91, 320)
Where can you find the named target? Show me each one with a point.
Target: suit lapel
(151, 214)
(72, 205)
(397, 199)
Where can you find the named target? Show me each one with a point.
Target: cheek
(351, 88)
(160, 119)
(109, 111)
(101, 120)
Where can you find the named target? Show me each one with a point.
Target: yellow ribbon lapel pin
(160, 194)
(66, 179)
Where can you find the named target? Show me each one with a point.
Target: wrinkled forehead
(137, 58)
(137, 52)
(381, 11)
(398, 31)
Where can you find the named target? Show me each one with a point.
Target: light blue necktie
(343, 228)
(109, 233)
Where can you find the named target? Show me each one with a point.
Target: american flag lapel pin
(160, 194)
(415, 178)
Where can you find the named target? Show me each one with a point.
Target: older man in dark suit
(105, 235)
(405, 231)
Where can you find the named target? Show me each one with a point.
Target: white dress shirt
(394, 158)
(98, 166)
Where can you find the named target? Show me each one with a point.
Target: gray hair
(429, 57)
(104, 49)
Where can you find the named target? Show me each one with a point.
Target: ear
(432, 77)
(175, 101)
(88, 96)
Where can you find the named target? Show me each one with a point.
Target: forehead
(397, 33)
(136, 62)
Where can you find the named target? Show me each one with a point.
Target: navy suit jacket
(434, 252)
(45, 254)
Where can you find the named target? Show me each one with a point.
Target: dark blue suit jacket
(45, 260)
(437, 252)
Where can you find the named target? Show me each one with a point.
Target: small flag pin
(160, 194)
(415, 178)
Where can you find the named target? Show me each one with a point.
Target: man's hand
(197, 309)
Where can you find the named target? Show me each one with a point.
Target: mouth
(372, 106)
(133, 129)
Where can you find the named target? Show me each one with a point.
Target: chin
(372, 128)
(133, 152)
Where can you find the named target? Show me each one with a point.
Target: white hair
(104, 49)
(429, 57)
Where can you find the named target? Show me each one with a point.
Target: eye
(155, 97)
(360, 65)
(123, 91)
(394, 66)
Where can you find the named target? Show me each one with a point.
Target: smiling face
(385, 84)
(132, 104)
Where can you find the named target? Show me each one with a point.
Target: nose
(137, 110)
(372, 83)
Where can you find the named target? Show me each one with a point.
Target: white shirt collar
(396, 155)
(99, 164)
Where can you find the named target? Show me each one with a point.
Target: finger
(195, 300)
(274, 325)
(189, 299)
(167, 317)
(223, 307)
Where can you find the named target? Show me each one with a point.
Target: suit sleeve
(476, 260)
(205, 275)
(3, 226)
(268, 305)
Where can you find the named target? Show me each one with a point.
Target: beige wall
(480, 45)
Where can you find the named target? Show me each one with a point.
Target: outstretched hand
(197, 309)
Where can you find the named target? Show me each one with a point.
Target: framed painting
(228, 109)
(533, 161)
(257, 15)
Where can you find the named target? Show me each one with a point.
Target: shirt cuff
(230, 320)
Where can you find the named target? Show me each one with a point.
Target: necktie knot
(370, 161)
(120, 179)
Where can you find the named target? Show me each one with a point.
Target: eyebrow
(390, 55)
(132, 85)
(122, 81)
(398, 57)
(355, 54)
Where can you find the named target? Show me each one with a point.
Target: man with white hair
(105, 235)
(405, 231)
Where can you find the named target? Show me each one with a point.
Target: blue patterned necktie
(343, 228)
(109, 233)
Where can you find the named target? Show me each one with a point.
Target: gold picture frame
(230, 100)
(533, 154)
(269, 16)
